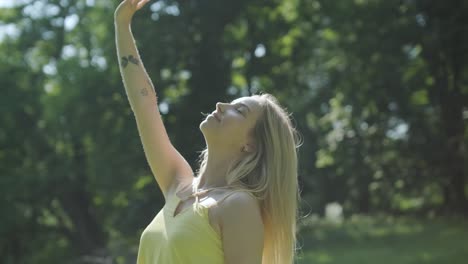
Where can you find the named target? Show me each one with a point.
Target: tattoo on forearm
(130, 58)
(144, 92)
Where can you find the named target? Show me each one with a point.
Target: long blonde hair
(270, 173)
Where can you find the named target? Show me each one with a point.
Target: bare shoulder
(239, 205)
(239, 199)
(238, 209)
(242, 228)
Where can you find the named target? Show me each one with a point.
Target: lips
(216, 116)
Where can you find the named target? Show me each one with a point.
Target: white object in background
(334, 212)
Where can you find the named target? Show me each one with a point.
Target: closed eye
(242, 113)
(239, 106)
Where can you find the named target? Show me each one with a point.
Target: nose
(218, 107)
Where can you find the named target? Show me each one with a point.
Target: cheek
(235, 127)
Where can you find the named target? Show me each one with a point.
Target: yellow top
(187, 238)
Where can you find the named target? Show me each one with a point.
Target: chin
(207, 130)
(203, 127)
(204, 124)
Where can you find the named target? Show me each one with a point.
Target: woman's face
(231, 123)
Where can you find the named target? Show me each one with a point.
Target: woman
(242, 205)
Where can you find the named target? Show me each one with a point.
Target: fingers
(142, 3)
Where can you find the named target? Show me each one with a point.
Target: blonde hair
(270, 174)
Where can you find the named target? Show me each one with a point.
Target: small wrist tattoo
(130, 58)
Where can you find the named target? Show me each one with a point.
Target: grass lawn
(384, 240)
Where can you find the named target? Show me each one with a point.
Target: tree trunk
(445, 54)
(87, 234)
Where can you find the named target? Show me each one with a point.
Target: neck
(214, 175)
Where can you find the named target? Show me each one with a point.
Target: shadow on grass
(383, 239)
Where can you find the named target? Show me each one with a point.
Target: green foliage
(377, 89)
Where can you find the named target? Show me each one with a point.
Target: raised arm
(167, 165)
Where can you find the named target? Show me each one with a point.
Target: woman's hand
(124, 12)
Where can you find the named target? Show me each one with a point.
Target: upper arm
(166, 163)
(242, 230)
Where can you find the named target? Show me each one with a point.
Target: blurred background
(378, 89)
